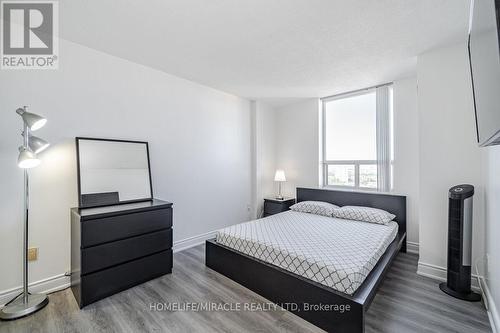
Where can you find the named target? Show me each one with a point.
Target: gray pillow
(365, 214)
(315, 207)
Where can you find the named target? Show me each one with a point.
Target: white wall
(264, 136)
(491, 158)
(199, 144)
(406, 157)
(449, 154)
(297, 144)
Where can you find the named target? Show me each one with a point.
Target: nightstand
(274, 206)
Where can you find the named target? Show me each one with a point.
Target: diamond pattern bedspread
(335, 252)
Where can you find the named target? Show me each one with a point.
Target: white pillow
(315, 207)
(365, 214)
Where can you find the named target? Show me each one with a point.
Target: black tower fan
(460, 244)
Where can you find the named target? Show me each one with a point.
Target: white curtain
(383, 140)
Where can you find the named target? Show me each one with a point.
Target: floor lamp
(26, 303)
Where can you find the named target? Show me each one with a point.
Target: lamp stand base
(17, 308)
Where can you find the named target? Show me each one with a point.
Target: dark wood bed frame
(296, 293)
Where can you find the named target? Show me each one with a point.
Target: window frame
(325, 163)
(356, 164)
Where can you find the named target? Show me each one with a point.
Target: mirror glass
(112, 172)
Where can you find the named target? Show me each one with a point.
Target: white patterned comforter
(334, 252)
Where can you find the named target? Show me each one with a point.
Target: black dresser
(116, 247)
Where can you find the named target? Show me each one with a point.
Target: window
(357, 139)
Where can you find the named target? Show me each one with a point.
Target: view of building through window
(350, 140)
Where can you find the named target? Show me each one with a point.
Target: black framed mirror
(112, 172)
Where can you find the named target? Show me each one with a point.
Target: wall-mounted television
(484, 55)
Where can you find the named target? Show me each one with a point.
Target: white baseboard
(61, 281)
(412, 247)
(439, 273)
(48, 285)
(490, 306)
(186, 243)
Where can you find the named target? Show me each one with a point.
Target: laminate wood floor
(405, 302)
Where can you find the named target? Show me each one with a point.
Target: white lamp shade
(37, 145)
(279, 176)
(33, 121)
(38, 123)
(27, 159)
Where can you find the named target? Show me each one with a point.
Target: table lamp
(279, 177)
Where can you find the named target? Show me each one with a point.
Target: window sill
(352, 189)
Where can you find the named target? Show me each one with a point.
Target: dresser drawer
(98, 231)
(109, 254)
(112, 280)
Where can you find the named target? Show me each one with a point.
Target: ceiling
(273, 50)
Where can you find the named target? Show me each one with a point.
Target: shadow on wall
(55, 179)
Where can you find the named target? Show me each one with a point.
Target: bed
(314, 266)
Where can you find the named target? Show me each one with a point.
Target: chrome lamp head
(36, 144)
(33, 121)
(27, 159)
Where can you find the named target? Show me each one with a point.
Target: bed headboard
(395, 204)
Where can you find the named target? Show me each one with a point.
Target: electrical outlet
(32, 253)
(249, 212)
